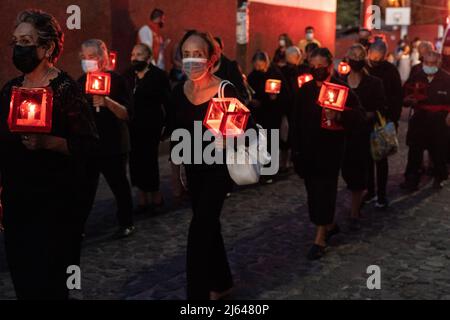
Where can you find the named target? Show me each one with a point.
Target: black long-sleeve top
(230, 70)
(392, 83)
(291, 73)
(113, 132)
(318, 151)
(29, 174)
(268, 112)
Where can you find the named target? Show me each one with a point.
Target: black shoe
(354, 224)
(382, 204)
(330, 234)
(316, 252)
(369, 198)
(124, 232)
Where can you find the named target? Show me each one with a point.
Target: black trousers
(207, 264)
(144, 159)
(438, 155)
(42, 240)
(114, 169)
(322, 194)
(382, 173)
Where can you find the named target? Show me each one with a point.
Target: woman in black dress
(42, 174)
(111, 114)
(267, 108)
(151, 106)
(370, 92)
(208, 271)
(318, 152)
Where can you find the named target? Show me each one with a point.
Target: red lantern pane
(416, 90)
(333, 96)
(112, 60)
(304, 78)
(273, 86)
(98, 83)
(227, 116)
(31, 110)
(344, 68)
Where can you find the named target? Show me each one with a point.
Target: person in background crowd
(404, 61)
(267, 108)
(284, 42)
(357, 157)
(308, 50)
(317, 151)
(291, 71)
(227, 69)
(428, 126)
(43, 174)
(415, 55)
(151, 36)
(176, 74)
(423, 48)
(439, 44)
(364, 37)
(309, 38)
(151, 89)
(208, 271)
(111, 115)
(388, 73)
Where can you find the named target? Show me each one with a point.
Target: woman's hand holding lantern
(98, 101)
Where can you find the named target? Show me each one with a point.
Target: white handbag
(255, 155)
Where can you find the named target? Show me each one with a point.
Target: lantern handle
(221, 91)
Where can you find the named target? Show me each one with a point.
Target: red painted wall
(117, 22)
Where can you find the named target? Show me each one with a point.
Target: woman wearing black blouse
(111, 114)
(42, 175)
(357, 156)
(267, 108)
(151, 107)
(318, 152)
(208, 272)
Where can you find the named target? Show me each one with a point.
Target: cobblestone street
(267, 234)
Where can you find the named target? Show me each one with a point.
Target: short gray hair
(293, 50)
(102, 49)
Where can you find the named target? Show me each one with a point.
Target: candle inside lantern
(98, 83)
(273, 86)
(344, 68)
(227, 116)
(304, 78)
(333, 96)
(112, 60)
(31, 110)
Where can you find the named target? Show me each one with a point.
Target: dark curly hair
(48, 30)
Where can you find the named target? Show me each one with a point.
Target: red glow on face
(273, 86)
(227, 116)
(344, 68)
(304, 78)
(98, 83)
(333, 96)
(31, 110)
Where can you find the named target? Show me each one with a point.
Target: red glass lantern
(333, 96)
(304, 78)
(31, 110)
(112, 60)
(98, 83)
(227, 116)
(416, 90)
(344, 68)
(273, 86)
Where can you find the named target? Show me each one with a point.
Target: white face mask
(310, 36)
(195, 68)
(89, 65)
(282, 43)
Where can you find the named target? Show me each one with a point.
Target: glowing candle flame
(31, 111)
(96, 85)
(331, 96)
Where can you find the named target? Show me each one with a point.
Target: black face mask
(138, 65)
(26, 58)
(320, 74)
(357, 65)
(375, 64)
